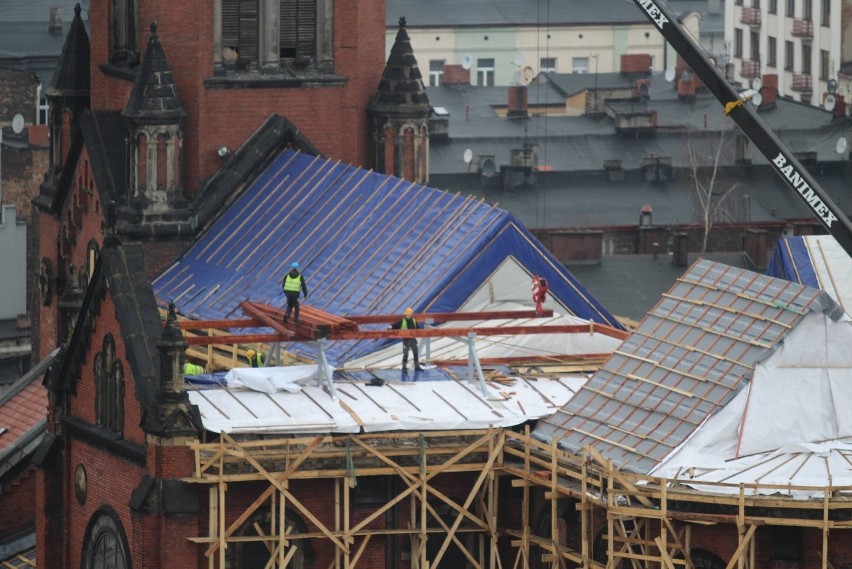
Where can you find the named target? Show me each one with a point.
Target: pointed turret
(400, 111)
(154, 114)
(154, 98)
(69, 90)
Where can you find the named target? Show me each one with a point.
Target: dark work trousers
(410, 344)
(292, 302)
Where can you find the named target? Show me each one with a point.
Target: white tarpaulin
(419, 405)
(271, 379)
(510, 346)
(792, 425)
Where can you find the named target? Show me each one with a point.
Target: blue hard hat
(294, 265)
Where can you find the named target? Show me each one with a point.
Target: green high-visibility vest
(192, 369)
(292, 284)
(405, 323)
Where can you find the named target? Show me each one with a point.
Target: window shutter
(298, 28)
(240, 26)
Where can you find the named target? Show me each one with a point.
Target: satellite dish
(840, 148)
(756, 99)
(528, 74)
(468, 155)
(829, 103)
(467, 61)
(18, 123)
(518, 59)
(670, 74)
(756, 84)
(487, 167)
(832, 86)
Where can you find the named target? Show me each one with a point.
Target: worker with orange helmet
(407, 322)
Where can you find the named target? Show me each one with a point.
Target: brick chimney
(636, 63)
(517, 101)
(681, 249)
(768, 91)
(456, 74)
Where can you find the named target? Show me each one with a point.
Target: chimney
(768, 91)
(636, 63)
(517, 101)
(456, 74)
(55, 25)
(681, 249)
(839, 111)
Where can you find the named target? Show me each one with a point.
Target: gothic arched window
(105, 546)
(109, 388)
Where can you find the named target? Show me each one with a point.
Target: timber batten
(640, 519)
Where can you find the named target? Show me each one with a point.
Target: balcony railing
(750, 16)
(750, 69)
(802, 83)
(803, 28)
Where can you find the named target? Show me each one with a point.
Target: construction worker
(190, 368)
(292, 284)
(408, 323)
(255, 359)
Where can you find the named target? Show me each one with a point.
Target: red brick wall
(334, 118)
(16, 503)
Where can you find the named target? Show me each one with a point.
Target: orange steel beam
(204, 324)
(452, 316)
(255, 312)
(420, 333)
(482, 331)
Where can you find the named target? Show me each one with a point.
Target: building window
(580, 65)
(738, 42)
(105, 545)
(772, 49)
(755, 4)
(773, 6)
(826, 13)
(791, 8)
(754, 41)
(824, 65)
(250, 37)
(124, 20)
(807, 10)
(109, 387)
(547, 65)
(788, 56)
(42, 106)
(436, 72)
(806, 59)
(485, 72)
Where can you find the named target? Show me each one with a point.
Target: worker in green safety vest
(408, 323)
(255, 359)
(293, 284)
(190, 368)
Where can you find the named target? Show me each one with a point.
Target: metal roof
(368, 243)
(513, 13)
(688, 358)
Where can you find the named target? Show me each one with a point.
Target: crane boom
(782, 160)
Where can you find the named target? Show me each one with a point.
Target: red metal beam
(482, 331)
(452, 316)
(220, 324)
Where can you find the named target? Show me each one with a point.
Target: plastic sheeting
(817, 261)
(416, 406)
(367, 244)
(510, 346)
(792, 426)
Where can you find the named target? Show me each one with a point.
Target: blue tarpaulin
(792, 261)
(367, 243)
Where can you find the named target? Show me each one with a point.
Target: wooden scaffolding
(638, 521)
